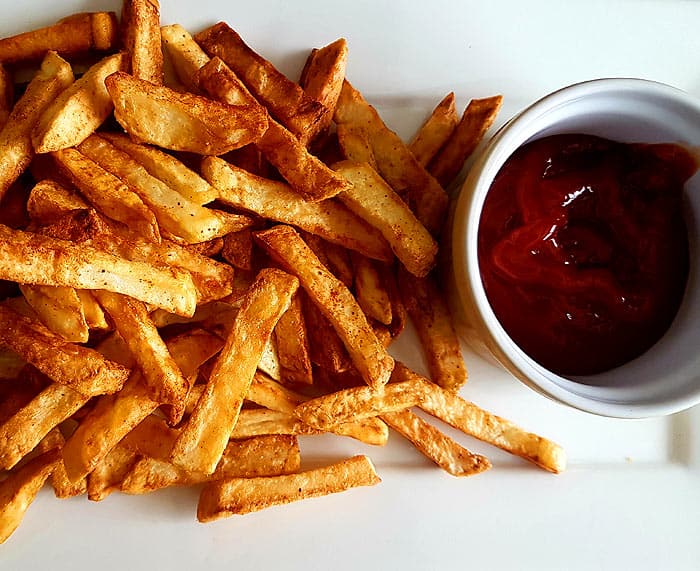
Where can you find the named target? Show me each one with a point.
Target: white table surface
(631, 497)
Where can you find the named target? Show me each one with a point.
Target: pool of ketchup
(583, 249)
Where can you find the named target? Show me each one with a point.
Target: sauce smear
(583, 250)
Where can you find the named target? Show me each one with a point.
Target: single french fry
(435, 445)
(335, 301)
(7, 94)
(16, 150)
(94, 316)
(432, 318)
(338, 262)
(62, 486)
(238, 249)
(277, 201)
(49, 200)
(60, 309)
(76, 34)
(18, 491)
(326, 349)
(185, 53)
(268, 393)
(110, 471)
(436, 130)
(244, 495)
(293, 345)
(114, 348)
(370, 291)
(355, 145)
(374, 200)
(220, 82)
(182, 121)
(476, 120)
(141, 37)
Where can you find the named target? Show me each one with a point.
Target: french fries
(49, 201)
(60, 309)
(293, 345)
(141, 38)
(369, 290)
(185, 53)
(435, 132)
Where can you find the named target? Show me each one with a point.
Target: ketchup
(583, 249)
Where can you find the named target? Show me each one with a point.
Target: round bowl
(665, 379)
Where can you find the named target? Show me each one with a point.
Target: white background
(631, 498)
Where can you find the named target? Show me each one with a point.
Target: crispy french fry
(76, 34)
(185, 53)
(141, 38)
(338, 261)
(60, 309)
(7, 95)
(62, 486)
(375, 201)
(432, 318)
(204, 437)
(94, 316)
(49, 200)
(109, 473)
(370, 291)
(243, 495)
(114, 348)
(18, 491)
(182, 121)
(277, 201)
(355, 145)
(268, 393)
(476, 120)
(220, 82)
(435, 131)
(152, 437)
(293, 345)
(16, 151)
(335, 301)
(286, 101)
(238, 249)
(79, 110)
(435, 445)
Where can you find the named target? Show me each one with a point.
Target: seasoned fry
(108, 474)
(435, 131)
(182, 121)
(370, 291)
(204, 437)
(268, 393)
(338, 261)
(76, 34)
(185, 53)
(7, 95)
(242, 495)
(62, 486)
(141, 37)
(60, 309)
(476, 120)
(79, 110)
(49, 200)
(335, 301)
(355, 145)
(326, 349)
(277, 201)
(435, 445)
(238, 249)
(18, 491)
(16, 151)
(220, 82)
(293, 345)
(94, 316)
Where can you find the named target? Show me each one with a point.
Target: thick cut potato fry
(244, 495)
(204, 437)
(60, 309)
(185, 53)
(338, 261)
(370, 291)
(176, 214)
(293, 345)
(476, 120)
(49, 200)
(396, 163)
(141, 37)
(114, 198)
(18, 491)
(35, 259)
(166, 168)
(326, 349)
(75, 366)
(152, 437)
(355, 145)
(375, 201)
(62, 486)
(94, 316)
(428, 309)
(435, 445)
(7, 95)
(163, 378)
(16, 151)
(435, 131)
(277, 201)
(334, 300)
(268, 393)
(238, 249)
(286, 101)
(109, 473)
(358, 403)
(220, 82)
(76, 34)
(182, 121)
(79, 110)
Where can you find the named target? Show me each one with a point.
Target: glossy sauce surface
(583, 250)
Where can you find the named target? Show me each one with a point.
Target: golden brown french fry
(293, 345)
(238, 249)
(62, 486)
(334, 300)
(396, 163)
(355, 145)
(49, 200)
(286, 101)
(476, 120)
(109, 473)
(76, 34)
(94, 316)
(435, 445)
(185, 53)
(141, 37)
(338, 261)
(210, 248)
(182, 121)
(31, 258)
(7, 95)
(370, 291)
(374, 200)
(152, 437)
(437, 128)
(112, 197)
(176, 214)
(268, 393)
(277, 201)
(79, 110)
(16, 150)
(162, 377)
(18, 491)
(60, 309)
(244, 495)
(114, 348)
(432, 318)
(326, 349)
(204, 437)
(166, 168)
(75, 366)
(221, 83)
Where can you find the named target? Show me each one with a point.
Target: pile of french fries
(204, 261)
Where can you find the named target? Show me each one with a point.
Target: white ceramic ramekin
(666, 379)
